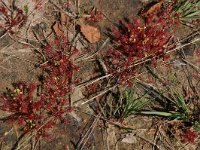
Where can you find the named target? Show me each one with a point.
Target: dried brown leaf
(57, 27)
(91, 33)
(155, 7)
(64, 18)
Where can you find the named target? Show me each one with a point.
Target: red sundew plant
(167, 14)
(32, 110)
(137, 41)
(92, 88)
(189, 136)
(58, 79)
(11, 18)
(22, 104)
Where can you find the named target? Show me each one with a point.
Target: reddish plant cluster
(136, 41)
(58, 80)
(133, 42)
(11, 18)
(92, 88)
(53, 100)
(22, 104)
(189, 136)
(168, 14)
(95, 15)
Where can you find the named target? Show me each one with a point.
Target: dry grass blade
(95, 53)
(191, 64)
(85, 138)
(148, 141)
(99, 94)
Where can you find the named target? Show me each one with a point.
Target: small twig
(154, 74)
(10, 56)
(28, 30)
(3, 68)
(41, 41)
(75, 37)
(156, 136)
(7, 46)
(95, 53)
(108, 19)
(92, 81)
(37, 3)
(91, 129)
(101, 93)
(86, 134)
(105, 70)
(5, 5)
(36, 143)
(68, 12)
(194, 34)
(5, 60)
(167, 142)
(183, 45)
(108, 121)
(153, 90)
(55, 5)
(147, 141)
(25, 43)
(78, 6)
(3, 33)
(191, 64)
(22, 50)
(189, 79)
(6, 133)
